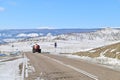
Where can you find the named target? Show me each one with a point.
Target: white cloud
(2, 9)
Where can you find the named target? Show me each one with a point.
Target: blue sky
(33, 14)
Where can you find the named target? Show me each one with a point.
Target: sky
(59, 14)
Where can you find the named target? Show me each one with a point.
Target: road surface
(54, 67)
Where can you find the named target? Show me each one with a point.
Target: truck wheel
(39, 50)
(33, 51)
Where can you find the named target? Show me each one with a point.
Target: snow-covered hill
(64, 34)
(108, 34)
(12, 34)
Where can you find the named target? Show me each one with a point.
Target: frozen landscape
(68, 44)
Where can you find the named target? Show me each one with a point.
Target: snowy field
(64, 46)
(10, 70)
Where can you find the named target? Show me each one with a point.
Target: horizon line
(56, 28)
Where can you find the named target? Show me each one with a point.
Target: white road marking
(76, 69)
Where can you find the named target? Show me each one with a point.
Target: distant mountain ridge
(70, 34)
(16, 33)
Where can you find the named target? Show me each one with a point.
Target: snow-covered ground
(64, 46)
(10, 70)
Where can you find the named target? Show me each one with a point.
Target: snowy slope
(15, 34)
(65, 34)
(112, 51)
(108, 34)
(12, 33)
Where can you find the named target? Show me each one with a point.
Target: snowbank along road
(54, 67)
